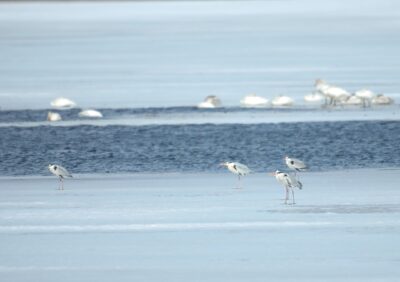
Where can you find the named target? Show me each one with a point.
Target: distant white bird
(210, 102)
(313, 97)
(62, 103)
(337, 94)
(295, 164)
(366, 96)
(253, 100)
(354, 100)
(332, 93)
(60, 172)
(321, 85)
(381, 99)
(281, 101)
(90, 114)
(52, 116)
(237, 168)
(289, 183)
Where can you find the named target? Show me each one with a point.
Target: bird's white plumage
(90, 114)
(365, 94)
(313, 98)
(381, 99)
(333, 93)
(295, 164)
(321, 86)
(237, 168)
(60, 172)
(289, 182)
(210, 102)
(253, 100)
(282, 101)
(354, 100)
(52, 116)
(62, 103)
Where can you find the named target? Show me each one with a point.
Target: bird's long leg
(62, 183)
(286, 195)
(238, 182)
(59, 183)
(293, 196)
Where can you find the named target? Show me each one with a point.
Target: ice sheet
(180, 227)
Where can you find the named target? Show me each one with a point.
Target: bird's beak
(271, 173)
(221, 164)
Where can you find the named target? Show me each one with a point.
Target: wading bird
(289, 182)
(60, 172)
(237, 168)
(295, 164)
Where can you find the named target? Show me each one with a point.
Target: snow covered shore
(195, 227)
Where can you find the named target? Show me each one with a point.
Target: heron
(237, 168)
(295, 164)
(289, 182)
(60, 172)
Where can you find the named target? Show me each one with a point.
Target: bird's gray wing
(64, 172)
(299, 164)
(242, 168)
(294, 182)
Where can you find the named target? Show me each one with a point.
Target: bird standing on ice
(295, 164)
(63, 103)
(60, 172)
(210, 102)
(366, 97)
(289, 182)
(90, 114)
(52, 116)
(238, 169)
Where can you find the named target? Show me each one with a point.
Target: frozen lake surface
(195, 227)
(175, 53)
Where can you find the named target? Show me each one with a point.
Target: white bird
(366, 96)
(381, 99)
(295, 164)
(332, 93)
(62, 103)
(52, 116)
(253, 100)
(90, 114)
(321, 86)
(313, 97)
(337, 94)
(237, 168)
(60, 172)
(354, 100)
(210, 102)
(289, 182)
(281, 101)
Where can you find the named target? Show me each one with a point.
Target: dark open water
(197, 148)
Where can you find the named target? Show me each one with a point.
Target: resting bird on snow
(60, 172)
(289, 182)
(295, 164)
(237, 168)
